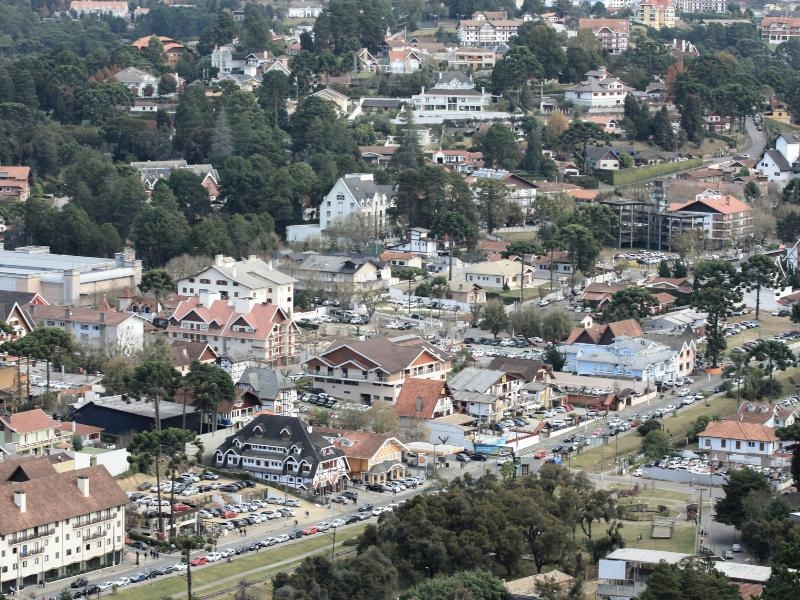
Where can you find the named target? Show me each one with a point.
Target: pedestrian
(307, 514)
(295, 521)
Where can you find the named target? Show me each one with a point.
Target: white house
(251, 277)
(489, 28)
(453, 97)
(141, 83)
(222, 59)
(498, 274)
(788, 144)
(774, 166)
(736, 437)
(303, 10)
(358, 195)
(103, 328)
(600, 92)
(418, 242)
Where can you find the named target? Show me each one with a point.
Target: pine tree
(662, 132)
(409, 154)
(692, 118)
(533, 159)
(221, 139)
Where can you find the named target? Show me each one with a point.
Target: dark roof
(8, 300)
(265, 383)
(365, 190)
(779, 159)
(277, 430)
(599, 152)
(526, 369)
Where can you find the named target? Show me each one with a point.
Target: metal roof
(743, 572)
(650, 557)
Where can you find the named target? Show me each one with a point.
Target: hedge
(636, 174)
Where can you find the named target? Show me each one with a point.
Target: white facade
(251, 277)
(701, 6)
(789, 146)
(141, 83)
(357, 194)
(485, 30)
(599, 92)
(774, 168)
(303, 11)
(451, 98)
(108, 330)
(222, 59)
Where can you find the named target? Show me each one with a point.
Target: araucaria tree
(716, 291)
(760, 271)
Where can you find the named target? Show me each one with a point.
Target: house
(88, 435)
(603, 335)
(29, 432)
(701, 6)
(418, 241)
(376, 369)
(684, 343)
(405, 62)
(252, 278)
(766, 414)
(284, 450)
(460, 161)
(725, 219)
(453, 97)
(598, 294)
(15, 312)
(484, 393)
(339, 100)
(555, 264)
(272, 390)
(327, 272)
(499, 274)
(777, 30)
(258, 64)
(634, 357)
(423, 399)
(716, 123)
(111, 8)
(185, 353)
(655, 13)
(41, 509)
(678, 287)
(358, 195)
(124, 415)
(103, 328)
(612, 33)
(238, 328)
(467, 293)
(521, 191)
(141, 83)
(303, 10)
(152, 171)
(222, 59)
(599, 92)
(377, 155)
(173, 50)
(15, 184)
(535, 377)
(788, 144)
(679, 320)
(395, 258)
(472, 57)
(609, 124)
(738, 437)
(603, 157)
(487, 28)
(374, 458)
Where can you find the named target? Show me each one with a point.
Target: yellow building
(373, 457)
(656, 13)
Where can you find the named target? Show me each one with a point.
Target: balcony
(19, 539)
(95, 535)
(626, 590)
(33, 552)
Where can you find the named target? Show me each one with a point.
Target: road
(757, 139)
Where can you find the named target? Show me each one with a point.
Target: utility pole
(699, 521)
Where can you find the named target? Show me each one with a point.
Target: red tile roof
(28, 421)
(605, 334)
(356, 444)
(737, 430)
(725, 205)
(221, 316)
(429, 390)
(80, 428)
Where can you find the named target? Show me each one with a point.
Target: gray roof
(527, 369)
(779, 159)
(328, 263)
(474, 379)
(152, 170)
(145, 408)
(252, 272)
(450, 75)
(599, 152)
(38, 259)
(365, 191)
(10, 299)
(477, 397)
(133, 75)
(265, 383)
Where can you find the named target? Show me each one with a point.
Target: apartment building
(15, 184)
(251, 277)
(724, 219)
(612, 33)
(656, 13)
(30, 432)
(55, 525)
(489, 28)
(357, 194)
(375, 369)
(599, 92)
(701, 6)
(777, 30)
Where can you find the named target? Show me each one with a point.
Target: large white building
(489, 28)
(600, 92)
(56, 524)
(356, 195)
(251, 277)
(737, 437)
(453, 97)
(701, 6)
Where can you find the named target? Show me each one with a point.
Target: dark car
(375, 487)
(137, 577)
(350, 519)
(230, 488)
(153, 573)
(338, 499)
(476, 456)
(79, 582)
(557, 448)
(296, 534)
(462, 458)
(365, 508)
(469, 340)
(350, 495)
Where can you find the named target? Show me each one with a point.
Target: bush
(648, 426)
(628, 176)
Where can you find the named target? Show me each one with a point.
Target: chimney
(20, 499)
(67, 312)
(83, 485)
(218, 259)
(74, 425)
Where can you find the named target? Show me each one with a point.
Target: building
(529, 588)
(603, 335)
(285, 451)
(271, 390)
(701, 6)
(303, 10)
(80, 8)
(329, 272)
(65, 279)
(460, 161)
(124, 415)
(113, 332)
(238, 328)
(766, 414)
(152, 171)
(15, 312)
(405, 61)
(499, 274)
(603, 158)
(55, 525)
(185, 353)
(141, 83)
(612, 33)
(598, 294)
(424, 399)
(251, 278)
(636, 358)
(655, 13)
(376, 369)
(453, 97)
(679, 320)
(29, 432)
(477, 59)
(172, 50)
(395, 258)
(358, 195)
(487, 28)
(339, 100)
(88, 435)
(374, 458)
(484, 393)
(418, 241)
(738, 437)
(725, 220)
(15, 184)
(777, 30)
(599, 92)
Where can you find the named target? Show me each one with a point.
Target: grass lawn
(768, 326)
(516, 236)
(249, 566)
(682, 540)
(603, 456)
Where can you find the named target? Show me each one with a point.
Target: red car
(310, 530)
(540, 453)
(199, 561)
(181, 507)
(228, 514)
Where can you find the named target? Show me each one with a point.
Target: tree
(655, 444)
(730, 507)
(273, 96)
(209, 385)
(493, 203)
(751, 191)
(472, 585)
(554, 357)
(633, 302)
(409, 152)
(679, 269)
(692, 118)
(159, 234)
(663, 268)
(556, 325)
(526, 321)
(500, 148)
(515, 69)
(581, 247)
(695, 580)
(494, 317)
(545, 44)
(791, 192)
(759, 270)
(51, 344)
(156, 281)
(663, 135)
(715, 292)
(792, 434)
(772, 355)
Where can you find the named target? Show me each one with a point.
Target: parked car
(461, 457)
(199, 561)
(310, 530)
(79, 582)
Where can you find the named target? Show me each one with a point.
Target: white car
(501, 460)
(543, 302)
(106, 585)
(214, 557)
(638, 473)
(338, 523)
(122, 582)
(683, 392)
(282, 538)
(229, 553)
(324, 526)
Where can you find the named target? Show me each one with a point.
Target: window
(738, 445)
